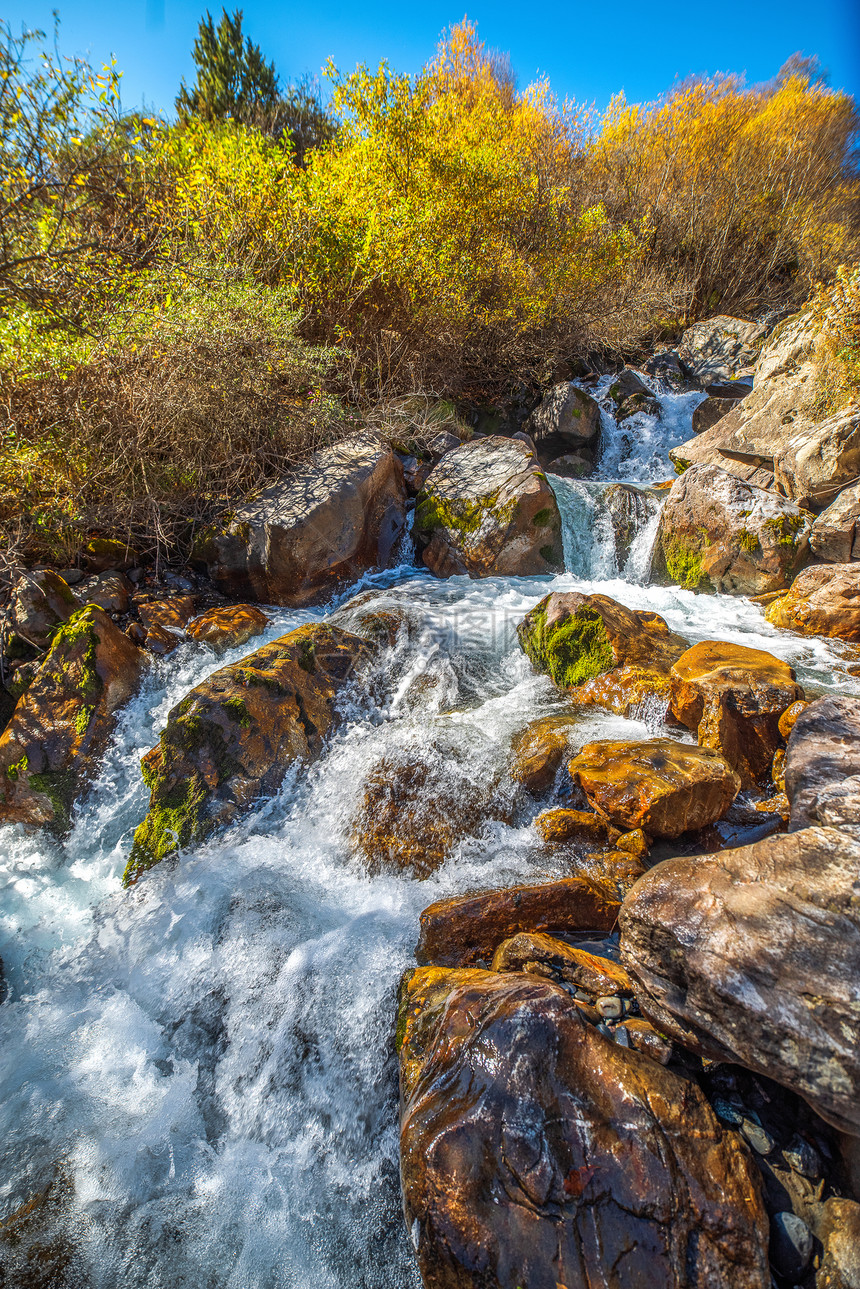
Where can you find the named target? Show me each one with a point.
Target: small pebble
(603, 1028)
(621, 1037)
(609, 1007)
(728, 1113)
(756, 1136)
(803, 1158)
(582, 995)
(790, 1245)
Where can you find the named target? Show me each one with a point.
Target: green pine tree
(233, 78)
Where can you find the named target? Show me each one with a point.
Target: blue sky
(588, 50)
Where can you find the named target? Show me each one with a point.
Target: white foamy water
(209, 1057)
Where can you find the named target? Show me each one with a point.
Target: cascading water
(207, 1060)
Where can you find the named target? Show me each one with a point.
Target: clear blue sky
(588, 50)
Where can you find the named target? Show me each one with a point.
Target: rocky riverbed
(514, 885)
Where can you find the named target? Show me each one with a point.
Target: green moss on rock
(171, 824)
(684, 565)
(572, 650)
(462, 517)
(61, 788)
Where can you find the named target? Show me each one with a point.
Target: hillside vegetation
(187, 307)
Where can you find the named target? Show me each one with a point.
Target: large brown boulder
(536, 1153)
(733, 698)
(62, 724)
(465, 929)
(823, 601)
(822, 765)
(325, 524)
(750, 956)
(232, 738)
(836, 532)
(488, 510)
(608, 654)
(566, 413)
(718, 533)
(721, 348)
(226, 627)
(660, 785)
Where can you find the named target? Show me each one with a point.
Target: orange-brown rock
(465, 929)
(62, 723)
(172, 614)
(733, 698)
(635, 843)
(225, 628)
(417, 805)
(545, 955)
(822, 601)
(608, 654)
(614, 870)
(750, 956)
(538, 751)
(537, 1153)
(788, 720)
(232, 738)
(558, 826)
(661, 786)
(642, 1035)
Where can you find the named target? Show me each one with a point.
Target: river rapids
(207, 1060)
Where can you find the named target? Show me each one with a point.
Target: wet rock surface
(61, 726)
(822, 600)
(718, 533)
(487, 509)
(537, 1152)
(751, 956)
(225, 628)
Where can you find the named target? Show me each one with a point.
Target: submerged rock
(232, 738)
(488, 510)
(225, 628)
(61, 726)
(630, 395)
(327, 523)
(466, 929)
(823, 600)
(750, 956)
(538, 751)
(718, 533)
(661, 786)
(536, 1152)
(733, 698)
(608, 654)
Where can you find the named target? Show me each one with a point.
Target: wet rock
(661, 786)
(110, 591)
(557, 826)
(720, 348)
(488, 510)
(465, 929)
(538, 751)
(325, 524)
(733, 698)
(225, 628)
(40, 602)
(61, 726)
(823, 600)
(572, 465)
(545, 955)
(172, 614)
(789, 719)
(630, 395)
(630, 510)
(718, 533)
(37, 1247)
(104, 553)
(838, 1229)
(642, 1035)
(635, 843)
(711, 411)
(610, 655)
(836, 532)
(232, 738)
(566, 413)
(537, 1152)
(790, 1245)
(822, 763)
(616, 871)
(750, 956)
(665, 367)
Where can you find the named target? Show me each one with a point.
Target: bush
(836, 309)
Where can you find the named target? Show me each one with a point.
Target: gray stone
(568, 413)
(836, 532)
(790, 1245)
(719, 348)
(822, 765)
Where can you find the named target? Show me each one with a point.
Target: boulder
(537, 1153)
(710, 411)
(109, 591)
(61, 726)
(544, 955)
(487, 510)
(665, 368)
(325, 524)
(823, 600)
(718, 533)
(630, 510)
(750, 956)
(787, 347)
(835, 534)
(822, 765)
(720, 348)
(608, 654)
(466, 929)
(40, 602)
(538, 751)
(630, 395)
(559, 826)
(566, 413)
(733, 698)
(573, 465)
(659, 785)
(232, 738)
(225, 628)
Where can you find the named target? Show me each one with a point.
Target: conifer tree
(233, 78)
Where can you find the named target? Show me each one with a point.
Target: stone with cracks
(823, 600)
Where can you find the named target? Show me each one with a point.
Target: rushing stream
(208, 1058)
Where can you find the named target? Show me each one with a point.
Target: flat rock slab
(751, 956)
(659, 785)
(466, 929)
(536, 1153)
